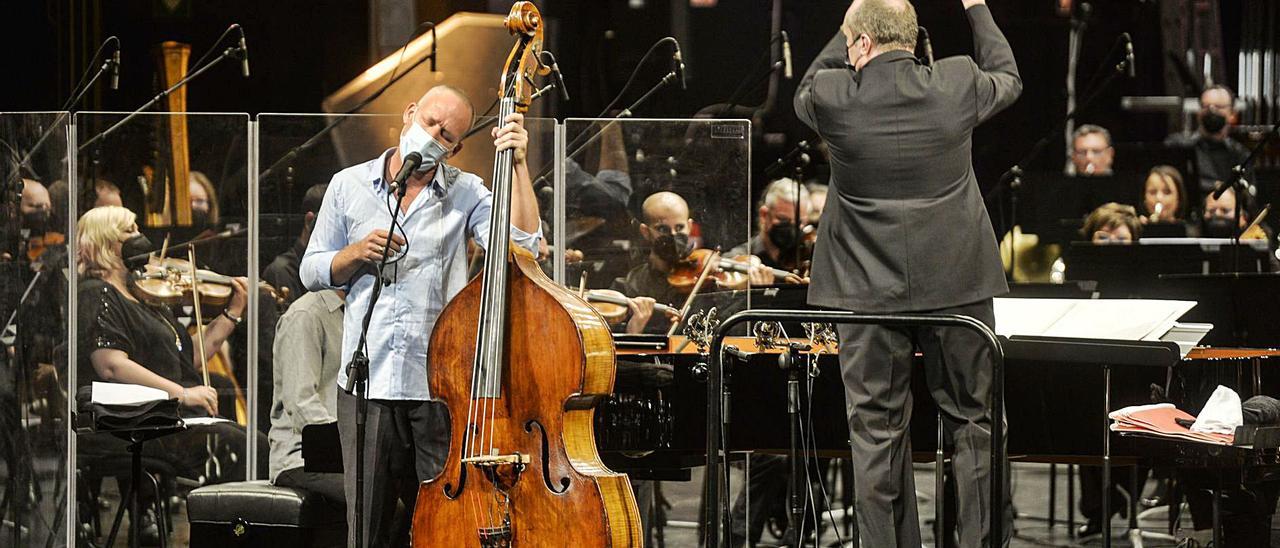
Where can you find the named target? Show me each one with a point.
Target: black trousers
(876, 365)
(406, 443)
(326, 484)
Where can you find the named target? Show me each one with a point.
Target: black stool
(256, 513)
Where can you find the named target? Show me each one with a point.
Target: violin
(616, 307)
(168, 282)
(730, 274)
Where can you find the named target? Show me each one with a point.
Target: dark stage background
(302, 51)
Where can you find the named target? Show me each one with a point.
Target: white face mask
(418, 140)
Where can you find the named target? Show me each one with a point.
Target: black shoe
(1089, 529)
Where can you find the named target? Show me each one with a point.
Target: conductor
(907, 231)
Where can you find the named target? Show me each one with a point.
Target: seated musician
(665, 229)
(778, 239)
(283, 273)
(307, 355)
(817, 202)
(1091, 152)
(1218, 218)
(1112, 223)
(1164, 196)
(123, 339)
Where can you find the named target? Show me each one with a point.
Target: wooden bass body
(560, 362)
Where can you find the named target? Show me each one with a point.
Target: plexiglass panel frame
(34, 424)
(138, 162)
(613, 167)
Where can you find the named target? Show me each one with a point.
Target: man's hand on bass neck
(971, 3)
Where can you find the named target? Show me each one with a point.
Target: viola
(521, 362)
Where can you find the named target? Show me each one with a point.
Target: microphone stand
(358, 370)
(232, 51)
(1012, 179)
(1236, 182)
(626, 113)
(81, 89)
(342, 118)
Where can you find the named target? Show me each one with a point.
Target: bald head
(444, 111)
(664, 205)
(35, 197)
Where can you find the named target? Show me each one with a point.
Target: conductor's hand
(971, 3)
(512, 135)
(641, 313)
(369, 249)
(200, 397)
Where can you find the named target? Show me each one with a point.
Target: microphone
(1155, 214)
(115, 69)
(677, 65)
(786, 56)
(555, 71)
(411, 162)
(244, 55)
(928, 44)
(1128, 55)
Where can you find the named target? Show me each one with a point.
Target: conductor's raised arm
(997, 81)
(834, 55)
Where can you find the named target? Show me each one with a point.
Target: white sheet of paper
(1117, 319)
(203, 421)
(114, 393)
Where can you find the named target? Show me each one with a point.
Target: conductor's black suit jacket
(905, 228)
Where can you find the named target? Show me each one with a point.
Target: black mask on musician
(1212, 122)
(199, 219)
(1219, 227)
(36, 221)
(135, 250)
(784, 235)
(671, 247)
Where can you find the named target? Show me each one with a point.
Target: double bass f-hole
(546, 458)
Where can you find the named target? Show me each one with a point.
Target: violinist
(443, 207)
(123, 339)
(665, 230)
(817, 202)
(778, 238)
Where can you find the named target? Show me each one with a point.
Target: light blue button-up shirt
(431, 271)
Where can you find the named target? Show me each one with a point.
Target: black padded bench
(256, 513)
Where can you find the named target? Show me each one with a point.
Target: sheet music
(114, 393)
(1116, 319)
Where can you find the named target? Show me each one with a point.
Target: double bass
(521, 363)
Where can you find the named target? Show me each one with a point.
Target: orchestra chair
(257, 513)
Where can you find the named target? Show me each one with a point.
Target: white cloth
(1221, 414)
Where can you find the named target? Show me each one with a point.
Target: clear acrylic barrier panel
(182, 178)
(33, 306)
(640, 195)
(296, 152)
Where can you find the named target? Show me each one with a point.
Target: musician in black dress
(122, 339)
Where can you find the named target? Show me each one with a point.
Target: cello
(521, 363)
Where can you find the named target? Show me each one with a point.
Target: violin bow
(195, 304)
(684, 310)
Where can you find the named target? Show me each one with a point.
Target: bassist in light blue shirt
(407, 436)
